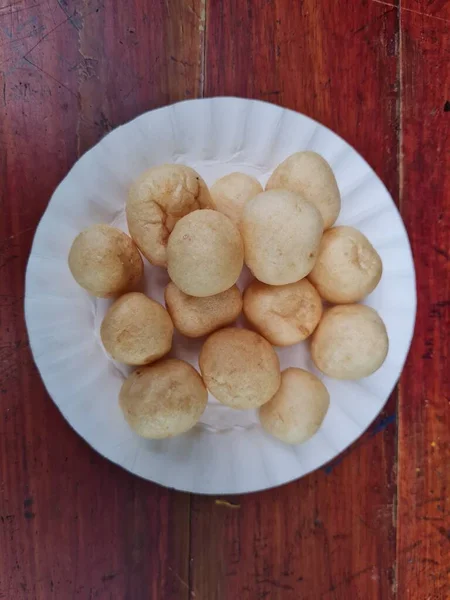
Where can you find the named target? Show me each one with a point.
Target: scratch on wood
(193, 11)
(63, 6)
(372, 21)
(60, 24)
(14, 12)
(51, 77)
(45, 37)
(441, 252)
(202, 30)
(185, 63)
(10, 4)
(33, 33)
(178, 577)
(410, 10)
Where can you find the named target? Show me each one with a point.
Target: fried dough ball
(136, 330)
(195, 317)
(157, 200)
(309, 174)
(240, 368)
(205, 253)
(164, 399)
(298, 408)
(350, 342)
(283, 314)
(348, 267)
(232, 192)
(281, 234)
(105, 261)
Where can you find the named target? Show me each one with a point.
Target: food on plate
(205, 253)
(283, 314)
(309, 175)
(240, 368)
(348, 267)
(298, 408)
(157, 200)
(105, 261)
(203, 238)
(195, 317)
(350, 342)
(136, 330)
(163, 399)
(232, 192)
(281, 233)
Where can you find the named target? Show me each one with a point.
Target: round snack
(298, 409)
(283, 314)
(347, 267)
(232, 192)
(164, 399)
(195, 317)
(350, 342)
(136, 330)
(157, 200)
(281, 234)
(309, 175)
(240, 368)
(105, 261)
(205, 253)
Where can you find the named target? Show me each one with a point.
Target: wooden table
(375, 524)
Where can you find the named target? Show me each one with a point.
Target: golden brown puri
(232, 192)
(205, 253)
(281, 234)
(164, 399)
(240, 368)
(348, 267)
(195, 317)
(136, 330)
(309, 175)
(298, 408)
(350, 342)
(105, 261)
(283, 314)
(157, 200)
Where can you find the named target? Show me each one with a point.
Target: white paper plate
(228, 452)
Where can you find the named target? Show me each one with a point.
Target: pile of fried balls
(308, 278)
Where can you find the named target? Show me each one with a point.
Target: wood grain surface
(375, 523)
(423, 514)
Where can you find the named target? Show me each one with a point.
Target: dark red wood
(71, 524)
(332, 534)
(74, 526)
(424, 402)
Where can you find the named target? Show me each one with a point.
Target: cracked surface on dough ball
(157, 201)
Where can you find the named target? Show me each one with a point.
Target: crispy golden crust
(205, 253)
(157, 200)
(136, 330)
(164, 399)
(298, 408)
(350, 342)
(232, 192)
(348, 267)
(105, 261)
(195, 317)
(309, 174)
(283, 314)
(240, 368)
(281, 234)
